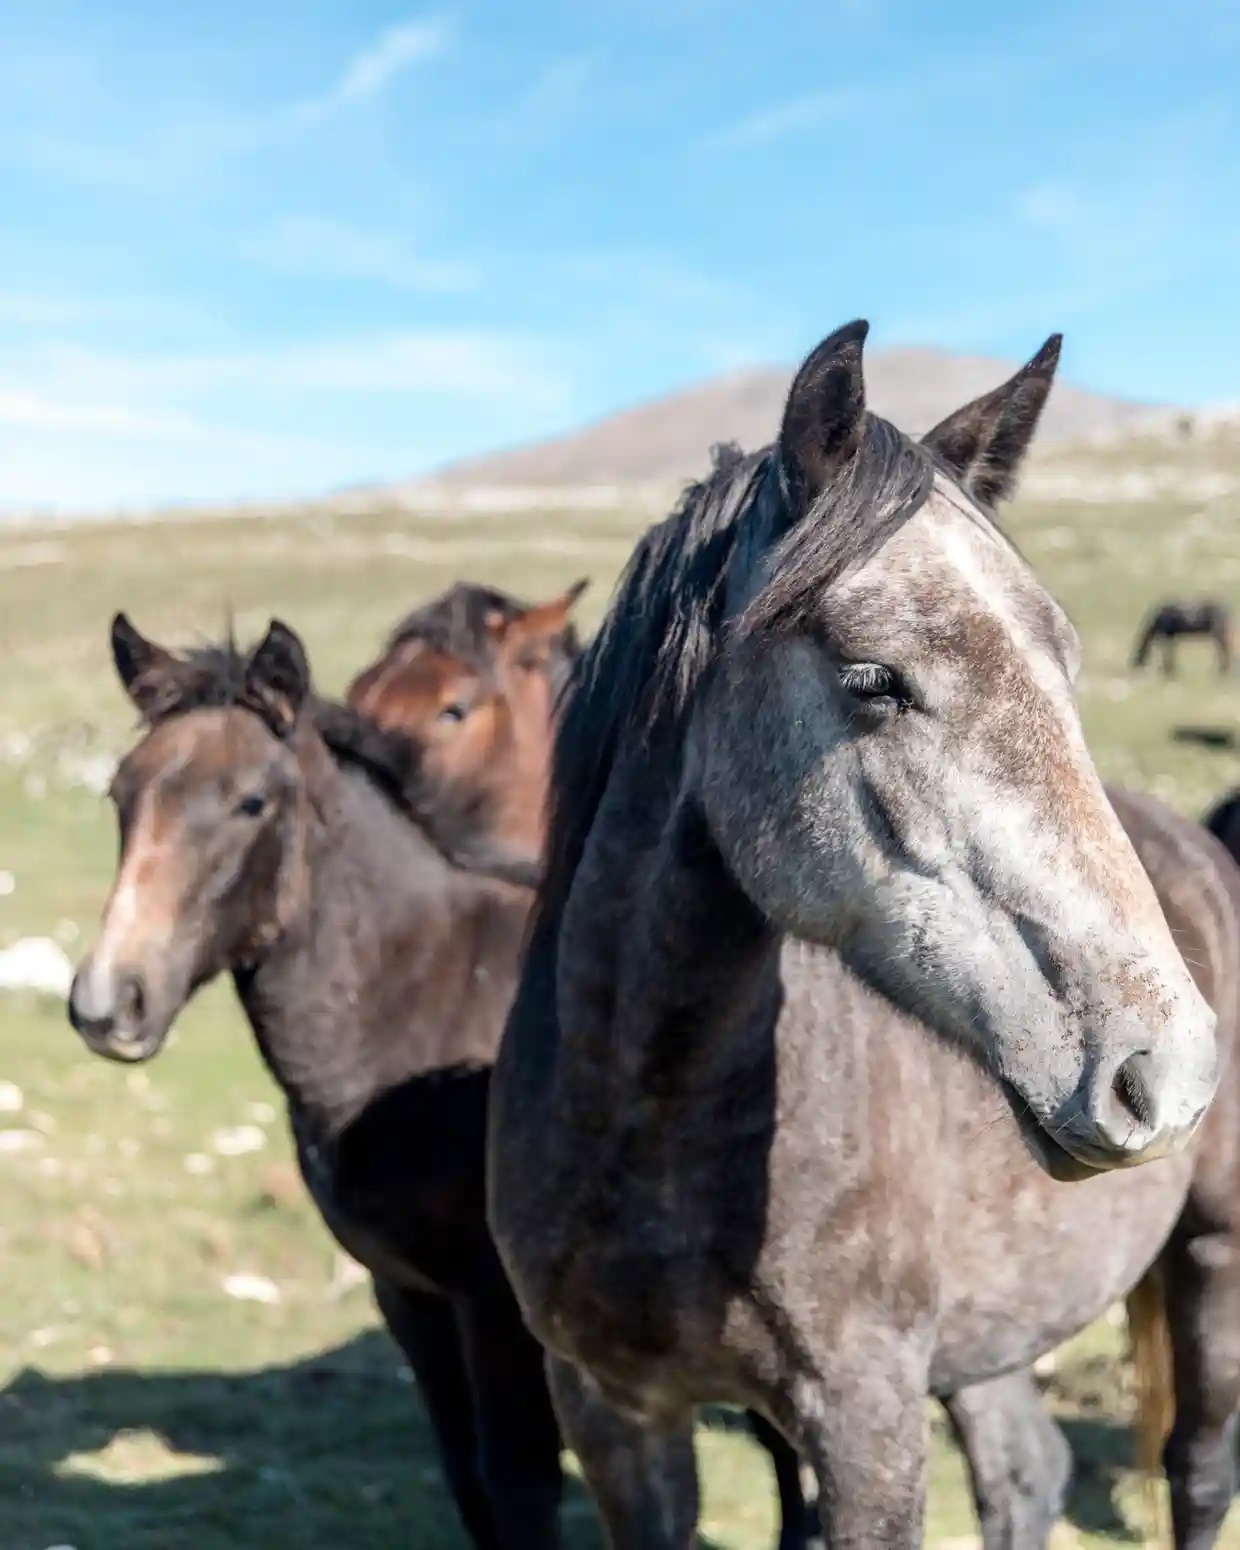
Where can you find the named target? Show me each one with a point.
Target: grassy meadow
(144, 1404)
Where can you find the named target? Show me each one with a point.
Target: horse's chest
(643, 1267)
(426, 1239)
(1016, 1282)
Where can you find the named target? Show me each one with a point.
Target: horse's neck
(669, 979)
(399, 966)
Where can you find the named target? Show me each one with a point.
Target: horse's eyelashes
(875, 686)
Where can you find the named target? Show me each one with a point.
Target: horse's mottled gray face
(903, 776)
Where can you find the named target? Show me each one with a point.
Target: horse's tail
(1149, 1337)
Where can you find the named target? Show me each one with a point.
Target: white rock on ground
(11, 1098)
(251, 1288)
(36, 963)
(21, 1141)
(238, 1140)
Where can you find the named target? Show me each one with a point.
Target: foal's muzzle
(110, 1011)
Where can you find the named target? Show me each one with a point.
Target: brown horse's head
(213, 806)
(471, 679)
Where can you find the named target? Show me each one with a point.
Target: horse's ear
(277, 678)
(824, 414)
(538, 630)
(985, 442)
(141, 665)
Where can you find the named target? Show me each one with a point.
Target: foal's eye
(879, 687)
(252, 806)
(456, 711)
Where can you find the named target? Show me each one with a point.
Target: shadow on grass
(1102, 1456)
(331, 1452)
(1205, 737)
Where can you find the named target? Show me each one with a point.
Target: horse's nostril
(1131, 1087)
(131, 1000)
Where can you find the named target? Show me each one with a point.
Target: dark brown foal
(268, 835)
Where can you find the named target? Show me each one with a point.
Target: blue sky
(257, 248)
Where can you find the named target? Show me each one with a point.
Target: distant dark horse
(823, 761)
(375, 961)
(1170, 621)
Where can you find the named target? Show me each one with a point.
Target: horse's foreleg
(1202, 1288)
(424, 1326)
(518, 1437)
(863, 1428)
(644, 1482)
(1019, 1460)
(798, 1522)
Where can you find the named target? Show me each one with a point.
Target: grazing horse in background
(1170, 621)
(824, 758)
(266, 834)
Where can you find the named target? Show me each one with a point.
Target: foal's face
(903, 776)
(484, 732)
(211, 807)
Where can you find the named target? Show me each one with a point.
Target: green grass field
(142, 1407)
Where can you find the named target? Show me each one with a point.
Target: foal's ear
(277, 678)
(141, 665)
(985, 442)
(544, 621)
(540, 629)
(824, 413)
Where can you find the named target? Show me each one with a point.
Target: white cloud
(552, 97)
(36, 411)
(178, 149)
(371, 71)
(82, 429)
(466, 362)
(311, 245)
(788, 118)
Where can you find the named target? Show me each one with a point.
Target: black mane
(669, 613)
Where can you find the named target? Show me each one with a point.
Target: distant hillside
(666, 441)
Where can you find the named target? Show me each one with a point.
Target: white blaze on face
(127, 919)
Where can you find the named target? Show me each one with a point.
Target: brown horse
(268, 835)
(824, 761)
(472, 680)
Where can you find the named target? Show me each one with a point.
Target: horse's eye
(454, 712)
(252, 806)
(880, 688)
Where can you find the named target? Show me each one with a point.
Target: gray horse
(824, 756)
